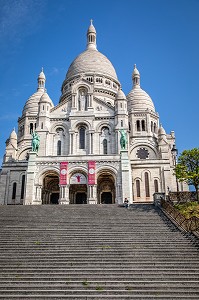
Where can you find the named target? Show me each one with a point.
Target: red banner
(91, 172)
(63, 173)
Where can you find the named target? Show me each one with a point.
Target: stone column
(38, 194)
(30, 187)
(64, 194)
(126, 176)
(92, 199)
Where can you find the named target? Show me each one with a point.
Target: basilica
(96, 146)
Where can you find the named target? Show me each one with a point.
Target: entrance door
(106, 198)
(54, 198)
(80, 198)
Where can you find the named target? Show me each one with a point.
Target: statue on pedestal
(35, 142)
(123, 139)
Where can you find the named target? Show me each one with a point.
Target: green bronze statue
(35, 142)
(123, 139)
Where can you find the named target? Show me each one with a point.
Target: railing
(191, 224)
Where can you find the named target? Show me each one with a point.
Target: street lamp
(174, 152)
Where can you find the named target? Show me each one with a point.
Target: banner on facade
(91, 172)
(78, 178)
(63, 173)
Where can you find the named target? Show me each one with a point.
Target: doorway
(54, 198)
(81, 198)
(106, 198)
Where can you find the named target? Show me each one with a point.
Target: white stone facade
(85, 126)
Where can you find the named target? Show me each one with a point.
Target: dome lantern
(136, 76)
(91, 37)
(41, 80)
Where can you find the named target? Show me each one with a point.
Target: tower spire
(41, 80)
(91, 37)
(136, 77)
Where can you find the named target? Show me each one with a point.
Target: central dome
(91, 60)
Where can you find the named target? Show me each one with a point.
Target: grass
(189, 209)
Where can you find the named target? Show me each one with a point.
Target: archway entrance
(50, 190)
(78, 194)
(105, 188)
(78, 189)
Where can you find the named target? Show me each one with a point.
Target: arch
(106, 190)
(137, 182)
(143, 125)
(77, 124)
(54, 127)
(156, 189)
(138, 128)
(105, 148)
(147, 188)
(78, 186)
(82, 137)
(105, 124)
(50, 188)
(59, 145)
(14, 190)
(23, 178)
(44, 171)
(23, 155)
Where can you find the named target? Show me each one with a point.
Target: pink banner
(91, 172)
(63, 173)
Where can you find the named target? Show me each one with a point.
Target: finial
(91, 21)
(42, 69)
(134, 66)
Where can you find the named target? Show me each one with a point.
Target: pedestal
(126, 176)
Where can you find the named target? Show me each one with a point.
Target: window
(154, 127)
(42, 126)
(138, 188)
(59, 148)
(146, 175)
(31, 128)
(82, 138)
(156, 186)
(138, 125)
(22, 186)
(151, 126)
(121, 123)
(105, 146)
(14, 189)
(143, 125)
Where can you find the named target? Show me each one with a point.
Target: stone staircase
(95, 252)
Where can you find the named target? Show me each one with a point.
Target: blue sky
(160, 36)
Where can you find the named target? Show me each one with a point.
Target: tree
(187, 168)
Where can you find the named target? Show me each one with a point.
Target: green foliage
(85, 283)
(99, 288)
(187, 168)
(189, 209)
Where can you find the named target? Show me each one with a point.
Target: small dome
(31, 105)
(135, 71)
(91, 28)
(13, 135)
(161, 131)
(46, 99)
(42, 75)
(91, 61)
(120, 95)
(139, 100)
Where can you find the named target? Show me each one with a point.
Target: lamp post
(174, 152)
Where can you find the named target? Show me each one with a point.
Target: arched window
(42, 125)
(14, 189)
(82, 132)
(59, 148)
(105, 146)
(138, 125)
(143, 125)
(138, 188)
(31, 128)
(156, 186)
(121, 123)
(22, 186)
(146, 175)
(151, 126)
(154, 127)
